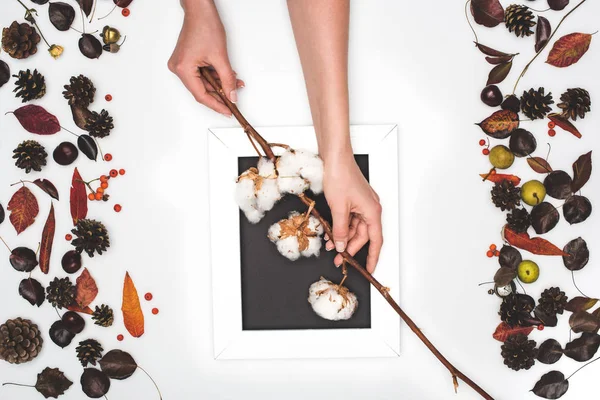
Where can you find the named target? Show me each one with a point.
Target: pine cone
(516, 309)
(505, 195)
(535, 104)
(20, 341)
(519, 352)
(518, 220)
(99, 125)
(20, 40)
(519, 19)
(80, 91)
(89, 351)
(92, 237)
(30, 86)
(103, 316)
(60, 293)
(575, 103)
(30, 155)
(553, 301)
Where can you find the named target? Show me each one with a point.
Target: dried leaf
(489, 13)
(79, 206)
(547, 318)
(133, 316)
(569, 49)
(47, 187)
(32, 291)
(534, 245)
(544, 217)
(94, 383)
(61, 15)
(504, 276)
(23, 207)
(549, 352)
(583, 348)
(577, 209)
(578, 254)
(500, 124)
(582, 170)
(499, 73)
(509, 257)
(23, 259)
(47, 240)
(117, 364)
(2, 214)
(551, 385)
(498, 60)
(86, 289)
(558, 184)
(565, 124)
(504, 331)
(76, 308)
(80, 115)
(87, 145)
(579, 303)
(86, 6)
(497, 178)
(90, 46)
(52, 382)
(491, 52)
(542, 33)
(539, 165)
(36, 119)
(583, 321)
(4, 73)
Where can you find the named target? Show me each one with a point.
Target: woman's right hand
(202, 43)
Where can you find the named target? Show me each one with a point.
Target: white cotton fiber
(288, 247)
(314, 247)
(303, 164)
(329, 301)
(267, 195)
(266, 168)
(292, 184)
(290, 233)
(315, 225)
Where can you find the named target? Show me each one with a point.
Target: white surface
(412, 63)
(380, 142)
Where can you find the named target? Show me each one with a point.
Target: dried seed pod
(90, 46)
(61, 15)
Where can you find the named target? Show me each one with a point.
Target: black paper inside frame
(275, 289)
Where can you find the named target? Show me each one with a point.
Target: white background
(411, 63)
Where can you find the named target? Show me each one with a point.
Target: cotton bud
(257, 191)
(331, 301)
(300, 170)
(297, 236)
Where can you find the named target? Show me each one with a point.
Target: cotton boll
(274, 232)
(246, 200)
(289, 164)
(253, 215)
(266, 168)
(268, 194)
(314, 247)
(288, 247)
(315, 225)
(330, 301)
(292, 184)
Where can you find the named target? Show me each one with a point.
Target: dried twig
(455, 373)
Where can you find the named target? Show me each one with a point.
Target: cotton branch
(455, 373)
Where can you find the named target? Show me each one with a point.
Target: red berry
(155, 311)
(107, 157)
(120, 338)
(492, 172)
(497, 253)
(121, 171)
(126, 12)
(108, 97)
(482, 142)
(68, 237)
(148, 296)
(113, 173)
(485, 152)
(551, 132)
(490, 254)
(493, 247)
(540, 327)
(551, 125)
(117, 208)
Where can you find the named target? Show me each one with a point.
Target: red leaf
(534, 245)
(500, 124)
(23, 207)
(488, 13)
(496, 178)
(36, 119)
(504, 331)
(79, 206)
(47, 187)
(133, 316)
(86, 289)
(47, 240)
(569, 49)
(565, 124)
(84, 310)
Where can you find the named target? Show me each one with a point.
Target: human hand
(202, 42)
(355, 209)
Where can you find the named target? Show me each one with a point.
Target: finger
(196, 87)
(355, 244)
(228, 79)
(375, 242)
(354, 221)
(341, 227)
(240, 84)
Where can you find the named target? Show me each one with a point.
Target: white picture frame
(231, 342)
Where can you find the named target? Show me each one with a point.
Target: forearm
(321, 33)
(199, 6)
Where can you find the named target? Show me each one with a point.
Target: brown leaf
(80, 115)
(579, 303)
(86, 289)
(583, 321)
(491, 52)
(499, 73)
(47, 187)
(500, 124)
(565, 124)
(542, 33)
(569, 49)
(496, 178)
(79, 206)
(504, 276)
(534, 245)
(489, 13)
(498, 60)
(36, 119)
(47, 240)
(86, 6)
(133, 317)
(539, 165)
(84, 310)
(504, 331)
(118, 364)
(52, 382)
(23, 207)
(582, 170)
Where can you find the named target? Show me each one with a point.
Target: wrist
(197, 6)
(340, 153)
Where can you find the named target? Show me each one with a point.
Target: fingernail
(233, 96)
(329, 246)
(337, 265)
(226, 115)
(340, 246)
(326, 237)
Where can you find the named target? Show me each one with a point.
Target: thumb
(341, 222)
(228, 79)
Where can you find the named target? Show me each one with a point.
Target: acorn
(71, 261)
(112, 48)
(110, 35)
